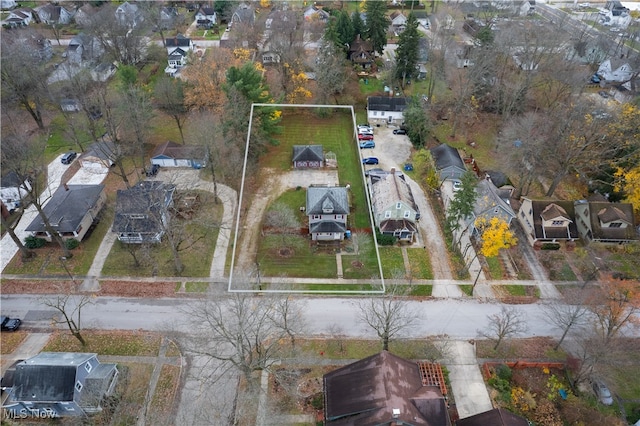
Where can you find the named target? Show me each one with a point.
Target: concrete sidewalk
(31, 346)
(470, 392)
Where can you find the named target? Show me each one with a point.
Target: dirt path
(274, 183)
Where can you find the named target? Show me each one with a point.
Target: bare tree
(389, 315)
(566, 315)
(283, 219)
(169, 97)
(503, 325)
(615, 306)
(69, 305)
(331, 72)
(240, 332)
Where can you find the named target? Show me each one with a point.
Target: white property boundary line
(367, 196)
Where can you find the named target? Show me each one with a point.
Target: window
(88, 367)
(530, 211)
(407, 214)
(398, 206)
(387, 214)
(69, 408)
(78, 386)
(316, 216)
(615, 225)
(557, 223)
(375, 113)
(136, 216)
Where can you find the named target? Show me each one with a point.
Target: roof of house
(388, 189)
(10, 180)
(327, 200)
(244, 14)
(308, 153)
(177, 53)
(48, 376)
(394, 225)
(446, 156)
(551, 210)
(139, 209)
(386, 103)
(178, 41)
(604, 212)
(104, 150)
(495, 417)
(327, 226)
(67, 207)
(208, 11)
(368, 391)
(489, 197)
(173, 150)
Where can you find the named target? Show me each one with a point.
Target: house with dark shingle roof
(205, 17)
(64, 384)
(394, 209)
(142, 212)
(51, 14)
(71, 211)
(179, 41)
(386, 110)
(495, 417)
(171, 154)
(449, 164)
(548, 221)
(491, 202)
(244, 14)
(327, 209)
(382, 389)
(599, 220)
(361, 53)
(308, 156)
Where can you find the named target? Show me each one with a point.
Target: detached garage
(171, 154)
(100, 155)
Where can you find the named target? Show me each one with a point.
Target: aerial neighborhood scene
(375, 212)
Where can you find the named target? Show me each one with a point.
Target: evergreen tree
(358, 24)
(377, 24)
(417, 121)
(407, 51)
(344, 31)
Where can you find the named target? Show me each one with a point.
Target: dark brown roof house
(385, 389)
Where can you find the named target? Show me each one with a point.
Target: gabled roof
(48, 376)
(173, 150)
(446, 156)
(368, 391)
(11, 180)
(178, 41)
(139, 209)
(489, 198)
(104, 150)
(495, 417)
(67, 207)
(177, 53)
(244, 14)
(554, 211)
(327, 200)
(613, 213)
(600, 213)
(207, 11)
(388, 189)
(308, 153)
(386, 103)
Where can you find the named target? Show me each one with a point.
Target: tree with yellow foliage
(496, 235)
(629, 185)
(299, 92)
(205, 79)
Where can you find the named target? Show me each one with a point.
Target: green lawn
(391, 259)
(293, 256)
(420, 264)
(495, 268)
(363, 265)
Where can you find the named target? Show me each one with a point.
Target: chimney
(66, 187)
(393, 170)
(396, 416)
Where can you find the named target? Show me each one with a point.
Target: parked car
(367, 144)
(370, 160)
(602, 392)
(604, 94)
(400, 132)
(365, 127)
(9, 324)
(457, 185)
(408, 167)
(68, 157)
(365, 137)
(153, 170)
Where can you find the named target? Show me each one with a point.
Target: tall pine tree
(358, 24)
(407, 51)
(377, 24)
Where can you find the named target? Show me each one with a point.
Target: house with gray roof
(327, 208)
(386, 110)
(547, 220)
(100, 156)
(13, 189)
(244, 14)
(308, 156)
(491, 202)
(384, 389)
(129, 14)
(448, 163)
(71, 211)
(205, 17)
(142, 212)
(171, 154)
(53, 14)
(599, 220)
(394, 209)
(60, 384)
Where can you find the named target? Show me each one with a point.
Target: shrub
(32, 242)
(550, 246)
(71, 243)
(504, 372)
(385, 240)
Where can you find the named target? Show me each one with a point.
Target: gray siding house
(599, 220)
(327, 209)
(394, 209)
(308, 156)
(449, 165)
(60, 384)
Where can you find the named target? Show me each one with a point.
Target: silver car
(602, 392)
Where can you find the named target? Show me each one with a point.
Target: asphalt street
(456, 318)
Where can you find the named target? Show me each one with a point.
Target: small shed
(100, 155)
(307, 156)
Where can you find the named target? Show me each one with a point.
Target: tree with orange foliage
(206, 78)
(496, 235)
(615, 305)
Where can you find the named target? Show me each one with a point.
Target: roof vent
(396, 413)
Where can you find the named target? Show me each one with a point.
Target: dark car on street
(10, 324)
(400, 132)
(370, 160)
(153, 170)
